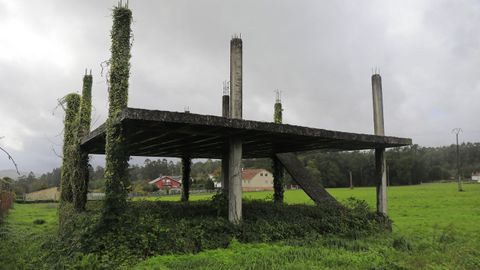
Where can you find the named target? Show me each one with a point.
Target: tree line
(405, 166)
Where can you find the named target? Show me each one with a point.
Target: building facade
(167, 182)
(256, 180)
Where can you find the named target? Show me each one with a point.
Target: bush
(38, 221)
(152, 228)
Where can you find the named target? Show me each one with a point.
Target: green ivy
(278, 180)
(277, 117)
(72, 102)
(80, 173)
(175, 228)
(278, 171)
(116, 171)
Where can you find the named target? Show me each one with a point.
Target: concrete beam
(235, 143)
(380, 163)
(304, 178)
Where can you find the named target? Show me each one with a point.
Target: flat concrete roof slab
(174, 134)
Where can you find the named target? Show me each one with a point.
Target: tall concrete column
(236, 78)
(380, 163)
(225, 154)
(235, 143)
(278, 171)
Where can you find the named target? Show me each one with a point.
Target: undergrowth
(158, 228)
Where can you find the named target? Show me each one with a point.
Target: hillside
(12, 174)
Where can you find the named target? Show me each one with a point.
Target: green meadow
(435, 227)
(419, 208)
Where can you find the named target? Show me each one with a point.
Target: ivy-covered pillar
(81, 175)
(278, 171)
(72, 105)
(186, 169)
(116, 172)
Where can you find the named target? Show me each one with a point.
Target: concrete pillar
(186, 168)
(236, 75)
(226, 106)
(235, 182)
(278, 171)
(377, 105)
(278, 180)
(380, 163)
(225, 154)
(235, 143)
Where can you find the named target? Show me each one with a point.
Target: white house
(256, 180)
(476, 176)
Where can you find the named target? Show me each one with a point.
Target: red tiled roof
(248, 174)
(161, 178)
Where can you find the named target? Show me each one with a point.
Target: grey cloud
(319, 53)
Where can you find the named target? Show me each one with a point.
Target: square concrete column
(381, 180)
(235, 183)
(226, 151)
(380, 163)
(235, 143)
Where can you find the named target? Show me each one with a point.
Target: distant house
(256, 180)
(217, 184)
(167, 182)
(476, 176)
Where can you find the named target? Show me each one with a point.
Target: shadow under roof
(174, 134)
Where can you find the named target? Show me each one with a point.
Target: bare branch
(11, 158)
(56, 154)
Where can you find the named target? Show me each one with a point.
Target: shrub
(38, 221)
(151, 228)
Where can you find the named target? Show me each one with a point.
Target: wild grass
(418, 208)
(26, 229)
(435, 227)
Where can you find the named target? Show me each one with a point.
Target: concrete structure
(235, 143)
(186, 169)
(225, 155)
(380, 163)
(278, 171)
(236, 78)
(304, 178)
(157, 133)
(476, 176)
(256, 180)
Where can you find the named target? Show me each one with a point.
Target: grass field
(435, 227)
(420, 208)
(21, 239)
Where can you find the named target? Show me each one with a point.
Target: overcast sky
(319, 53)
